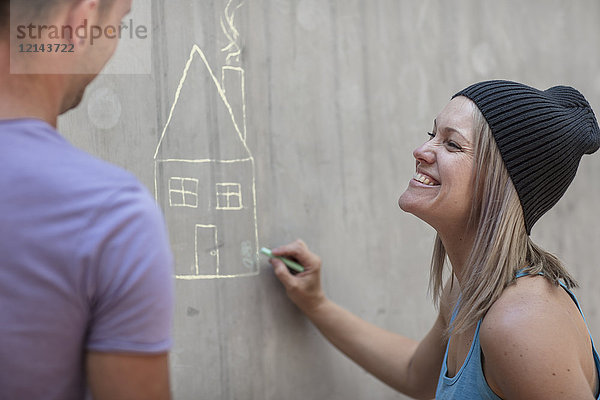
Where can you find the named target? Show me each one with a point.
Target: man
(86, 290)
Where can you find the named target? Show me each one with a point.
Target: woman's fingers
(303, 289)
(282, 273)
(300, 252)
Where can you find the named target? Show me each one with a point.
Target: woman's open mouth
(424, 179)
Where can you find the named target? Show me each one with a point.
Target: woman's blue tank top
(469, 382)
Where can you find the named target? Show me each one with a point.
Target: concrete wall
(337, 94)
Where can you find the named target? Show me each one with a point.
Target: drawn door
(207, 250)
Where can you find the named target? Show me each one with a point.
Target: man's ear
(81, 15)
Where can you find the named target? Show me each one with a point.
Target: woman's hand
(304, 289)
(402, 363)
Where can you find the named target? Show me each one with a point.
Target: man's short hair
(36, 8)
(4, 14)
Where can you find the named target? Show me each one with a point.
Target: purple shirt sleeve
(130, 283)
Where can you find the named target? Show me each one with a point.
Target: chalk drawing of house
(205, 175)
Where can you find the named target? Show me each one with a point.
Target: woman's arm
(409, 366)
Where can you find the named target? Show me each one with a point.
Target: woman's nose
(424, 153)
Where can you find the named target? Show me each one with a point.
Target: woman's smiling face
(441, 191)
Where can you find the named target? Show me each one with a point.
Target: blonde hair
(501, 246)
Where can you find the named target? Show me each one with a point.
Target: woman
(499, 156)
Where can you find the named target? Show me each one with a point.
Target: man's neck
(28, 96)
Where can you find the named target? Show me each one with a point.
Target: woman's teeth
(423, 179)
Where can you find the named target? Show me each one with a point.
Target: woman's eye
(454, 145)
(449, 143)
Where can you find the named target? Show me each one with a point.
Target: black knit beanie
(541, 135)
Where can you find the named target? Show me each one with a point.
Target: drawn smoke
(233, 48)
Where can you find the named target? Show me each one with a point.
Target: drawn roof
(207, 118)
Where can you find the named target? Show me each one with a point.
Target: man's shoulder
(46, 175)
(38, 153)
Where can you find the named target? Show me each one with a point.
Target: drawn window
(229, 196)
(183, 192)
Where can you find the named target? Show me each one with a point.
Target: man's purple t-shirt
(85, 264)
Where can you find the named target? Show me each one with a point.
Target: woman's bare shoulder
(529, 301)
(532, 333)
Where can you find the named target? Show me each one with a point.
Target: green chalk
(291, 264)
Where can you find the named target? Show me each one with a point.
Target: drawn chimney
(232, 75)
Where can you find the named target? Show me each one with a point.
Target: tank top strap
(521, 273)
(594, 350)
(455, 309)
(469, 381)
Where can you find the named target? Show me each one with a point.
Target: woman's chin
(403, 205)
(413, 206)
(408, 203)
